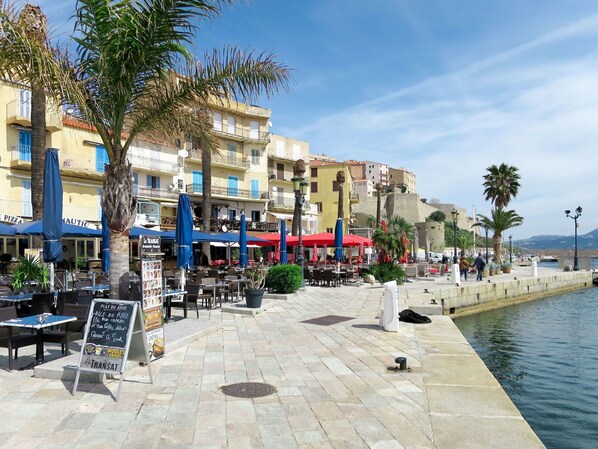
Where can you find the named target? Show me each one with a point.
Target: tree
(501, 184)
(499, 221)
(394, 238)
(132, 76)
(437, 216)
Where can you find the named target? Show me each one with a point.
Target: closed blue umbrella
(184, 231)
(338, 240)
(52, 207)
(105, 244)
(243, 242)
(283, 241)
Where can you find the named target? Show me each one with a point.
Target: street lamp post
(575, 217)
(486, 243)
(455, 215)
(378, 190)
(510, 249)
(300, 188)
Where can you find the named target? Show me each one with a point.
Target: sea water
(544, 353)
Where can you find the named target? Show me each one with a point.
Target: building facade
(402, 179)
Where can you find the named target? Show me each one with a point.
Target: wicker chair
(12, 338)
(70, 331)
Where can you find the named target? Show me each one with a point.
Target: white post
(534, 268)
(51, 276)
(182, 278)
(455, 274)
(390, 317)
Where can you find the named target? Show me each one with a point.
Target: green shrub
(387, 271)
(284, 278)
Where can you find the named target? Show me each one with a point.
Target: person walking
(479, 263)
(463, 266)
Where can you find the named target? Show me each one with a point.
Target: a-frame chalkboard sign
(114, 334)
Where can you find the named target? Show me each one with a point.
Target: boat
(548, 259)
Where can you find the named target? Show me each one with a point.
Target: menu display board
(106, 340)
(152, 302)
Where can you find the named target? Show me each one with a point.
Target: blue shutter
(255, 189)
(135, 183)
(149, 181)
(197, 182)
(24, 146)
(157, 182)
(101, 158)
(232, 186)
(27, 209)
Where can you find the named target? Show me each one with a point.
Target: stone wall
(474, 298)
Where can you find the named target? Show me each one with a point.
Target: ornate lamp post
(300, 188)
(455, 215)
(575, 217)
(378, 190)
(486, 229)
(510, 249)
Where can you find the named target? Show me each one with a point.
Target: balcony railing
(227, 191)
(151, 192)
(227, 160)
(19, 112)
(154, 164)
(241, 133)
(282, 203)
(235, 225)
(73, 165)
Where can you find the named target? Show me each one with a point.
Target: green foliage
(437, 216)
(499, 222)
(387, 271)
(30, 269)
(395, 240)
(501, 184)
(257, 277)
(284, 278)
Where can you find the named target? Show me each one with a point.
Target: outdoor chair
(189, 298)
(317, 277)
(307, 276)
(68, 297)
(42, 303)
(70, 331)
(199, 276)
(12, 338)
(84, 297)
(329, 278)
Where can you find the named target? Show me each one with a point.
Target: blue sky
(444, 88)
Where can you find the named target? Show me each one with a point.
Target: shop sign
(12, 219)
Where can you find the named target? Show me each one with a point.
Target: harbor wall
(487, 295)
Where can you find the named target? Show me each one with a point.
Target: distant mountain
(539, 242)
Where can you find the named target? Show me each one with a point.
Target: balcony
(235, 225)
(70, 165)
(167, 222)
(155, 164)
(233, 192)
(154, 193)
(282, 203)
(241, 134)
(354, 198)
(19, 113)
(285, 177)
(224, 160)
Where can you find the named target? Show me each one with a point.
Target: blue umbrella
(67, 230)
(338, 240)
(7, 229)
(52, 223)
(184, 238)
(243, 242)
(105, 244)
(283, 241)
(137, 232)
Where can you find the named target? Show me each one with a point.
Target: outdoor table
(214, 287)
(33, 322)
(17, 298)
(238, 282)
(167, 295)
(100, 288)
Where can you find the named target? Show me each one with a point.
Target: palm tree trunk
(295, 225)
(341, 201)
(119, 205)
(497, 245)
(206, 164)
(38, 146)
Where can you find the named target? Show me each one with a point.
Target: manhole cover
(327, 320)
(248, 390)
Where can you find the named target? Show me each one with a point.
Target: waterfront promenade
(333, 388)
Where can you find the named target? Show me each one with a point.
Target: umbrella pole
(51, 276)
(182, 278)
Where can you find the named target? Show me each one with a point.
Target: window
(280, 148)
(197, 182)
(314, 187)
(314, 172)
(254, 191)
(329, 230)
(296, 152)
(25, 103)
(254, 130)
(256, 215)
(217, 121)
(27, 209)
(101, 158)
(230, 124)
(153, 182)
(231, 153)
(232, 214)
(255, 156)
(335, 186)
(319, 207)
(24, 145)
(233, 183)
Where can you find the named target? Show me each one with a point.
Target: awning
(169, 204)
(232, 245)
(281, 216)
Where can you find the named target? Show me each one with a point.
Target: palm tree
(396, 239)
(31, 22)
(498, 223)
(501, 184)
(133, 76)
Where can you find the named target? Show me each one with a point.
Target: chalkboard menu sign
(114, 333)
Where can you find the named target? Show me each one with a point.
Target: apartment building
(283, 153)
(376, 172)
(402, 179)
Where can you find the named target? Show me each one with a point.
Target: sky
(443, 88)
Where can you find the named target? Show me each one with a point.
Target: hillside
(539, 242)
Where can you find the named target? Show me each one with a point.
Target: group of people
(479, 264)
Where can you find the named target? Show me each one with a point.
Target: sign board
(10, 219)
(114, 334)
(78, 222)
(152, 303)
(149, 245)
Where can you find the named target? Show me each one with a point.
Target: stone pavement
(334, 390)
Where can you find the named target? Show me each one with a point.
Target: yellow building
(325, 193)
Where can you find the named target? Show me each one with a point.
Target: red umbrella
(314, 256)
(321, 239)
(356, 240)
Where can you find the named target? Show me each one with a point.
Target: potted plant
(30, 273)
(254, 292)
(506, 267)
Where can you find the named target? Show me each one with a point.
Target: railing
(242, 133)
(235, 225)
(224, 159)
(21, 153)
(155, 193)
(286, 203)
(227, 191)
(20, 112)
(275, 176)
(168, 222)
(155, 164)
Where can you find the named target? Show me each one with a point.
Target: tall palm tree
(395, 240)
(340, 180)
(501, 184)
(32, 23)
(132, 76)
(499, 221)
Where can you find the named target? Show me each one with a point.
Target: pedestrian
(479, 264)
(463, 266)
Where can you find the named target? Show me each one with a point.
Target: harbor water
(544, 353)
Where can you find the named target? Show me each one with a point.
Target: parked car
(435, 257)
